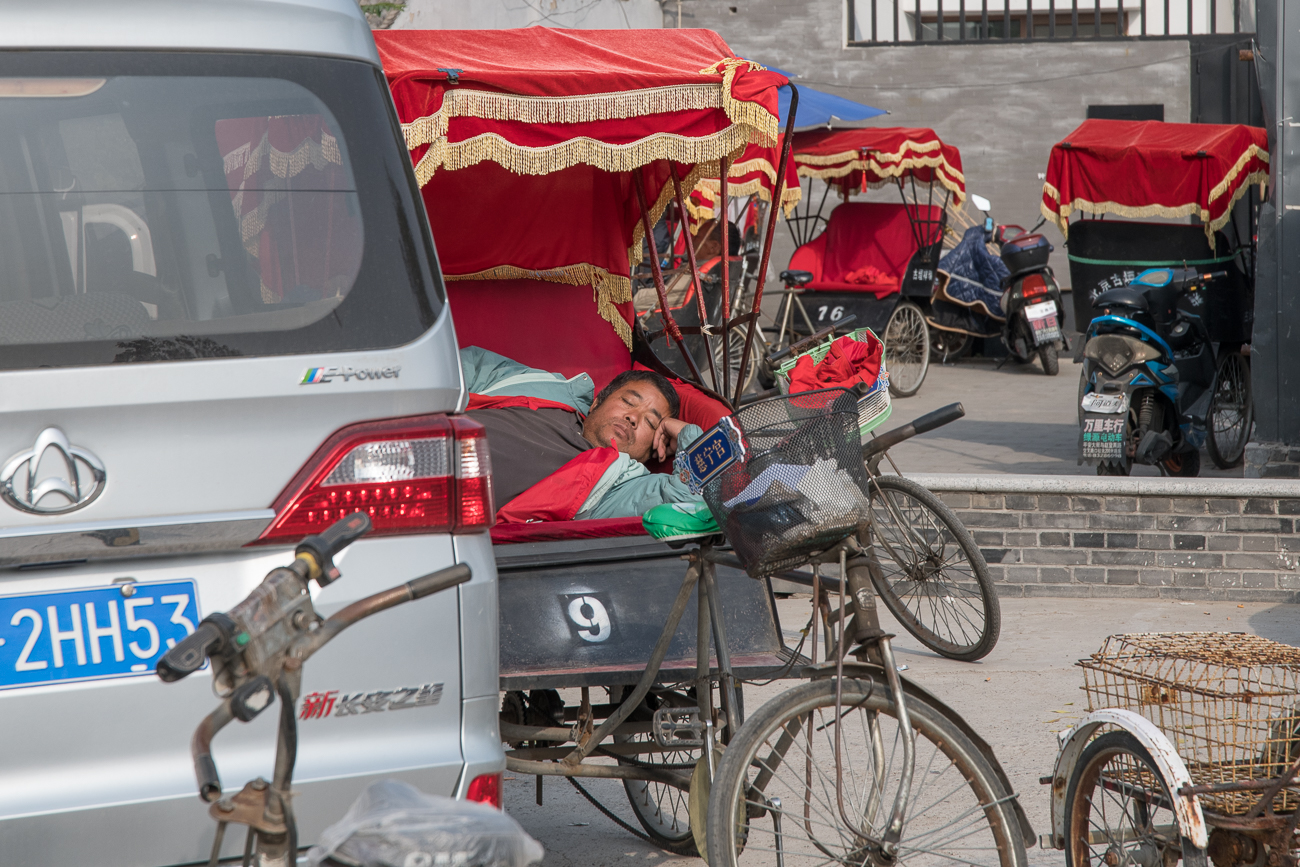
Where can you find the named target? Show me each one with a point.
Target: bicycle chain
(610, 815)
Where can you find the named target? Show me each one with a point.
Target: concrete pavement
(1018, 697)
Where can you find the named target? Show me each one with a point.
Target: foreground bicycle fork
(853, 628)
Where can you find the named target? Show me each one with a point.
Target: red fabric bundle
(868, 274)
(847, 363)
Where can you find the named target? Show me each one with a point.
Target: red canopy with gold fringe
(528, 143)
(875, 156)
(1154, 169)
(753, 173)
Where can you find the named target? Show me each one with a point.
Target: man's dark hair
(660, 382)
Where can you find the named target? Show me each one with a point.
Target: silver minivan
(222, 327)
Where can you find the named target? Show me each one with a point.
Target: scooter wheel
(1182, 464)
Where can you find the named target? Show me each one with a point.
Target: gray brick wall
(1177, 539)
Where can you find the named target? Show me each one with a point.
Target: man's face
(629, 417)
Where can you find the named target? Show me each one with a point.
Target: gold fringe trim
(766, 126)
(608, 290)
(284, 164)
(790, 196)
(950, 178)
(1061, 218)
(615, 105)
(586, 151)
(1252, 152)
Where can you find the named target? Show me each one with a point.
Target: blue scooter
(1148, 385)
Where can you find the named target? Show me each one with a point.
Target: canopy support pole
(695, 272)
(724, 229)
(767, 241)
(670, 324)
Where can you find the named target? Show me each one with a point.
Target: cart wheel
(907, 349)
(1117, 809)
(775, 798)
(932, 577)
(947, 347)
(1231, 412)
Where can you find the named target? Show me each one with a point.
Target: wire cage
(1229, 702)
(800, 487)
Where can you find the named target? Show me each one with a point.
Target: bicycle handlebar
(928, 422)
(189, 655)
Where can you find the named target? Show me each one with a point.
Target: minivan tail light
(485, 789)
(422, 474)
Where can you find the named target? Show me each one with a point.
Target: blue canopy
(818, 108)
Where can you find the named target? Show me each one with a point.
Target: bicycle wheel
(1117, 810)
(932, 577)
(958, 813)
(907, 349)
(1231, 412)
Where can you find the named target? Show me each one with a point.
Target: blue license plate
(92, 634)
(716, 449)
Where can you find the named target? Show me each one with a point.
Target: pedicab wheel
(1232, 412)
(780, 775)
(1118, 809)
(1051, 361)
(662, 810)
(907, 349)
(946, 347)
(932, 577)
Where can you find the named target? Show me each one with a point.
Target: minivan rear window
(160, 207)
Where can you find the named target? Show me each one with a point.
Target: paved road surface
(1017, 421)
(1018, 697)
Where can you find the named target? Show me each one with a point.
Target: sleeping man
(560, 455)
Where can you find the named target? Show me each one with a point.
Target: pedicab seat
(861, 236)
(796, 278)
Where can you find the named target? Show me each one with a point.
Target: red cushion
(508, 317)
(604, 528)
(809, 257)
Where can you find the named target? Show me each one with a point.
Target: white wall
(495, 14)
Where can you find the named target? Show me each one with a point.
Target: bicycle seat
(796, 278)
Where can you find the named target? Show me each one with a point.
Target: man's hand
(665, 441)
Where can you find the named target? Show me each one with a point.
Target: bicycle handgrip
(429, 584)
(189, 655)
(338, 536)
(939, 418)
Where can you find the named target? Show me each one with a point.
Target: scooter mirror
(981, 203)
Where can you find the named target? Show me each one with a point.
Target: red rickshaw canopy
(1154, 169)
(529, 144)
(875, 156)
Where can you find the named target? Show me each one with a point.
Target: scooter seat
(1124, 296)
(796, 278)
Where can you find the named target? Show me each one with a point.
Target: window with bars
(873, 22)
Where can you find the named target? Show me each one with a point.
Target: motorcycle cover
(968, 296)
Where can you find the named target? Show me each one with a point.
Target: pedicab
(1189, 750)
(874, 260)
(546, 158)
(1139, 170)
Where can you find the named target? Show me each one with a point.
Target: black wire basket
(801, 486)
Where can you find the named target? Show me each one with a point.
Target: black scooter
(1147, 394)
(1031, 298)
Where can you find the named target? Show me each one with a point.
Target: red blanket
(847, 363)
